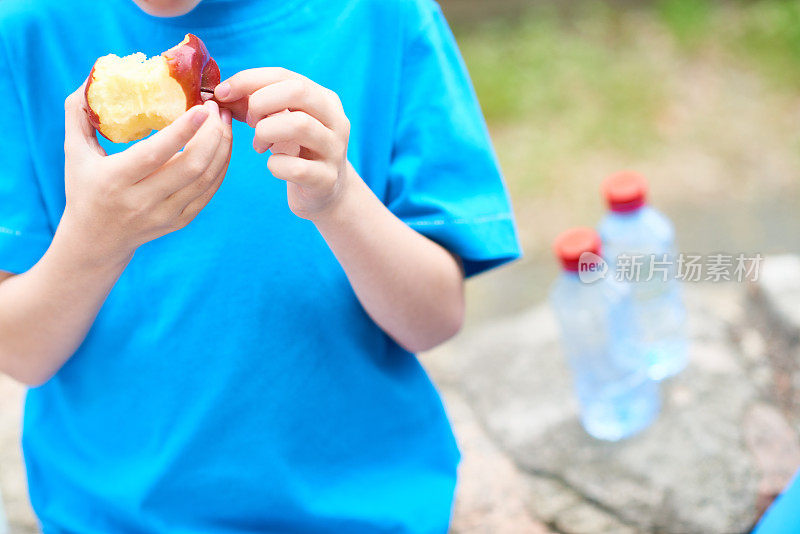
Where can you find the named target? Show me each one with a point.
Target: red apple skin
(93, 117)
(194, 69)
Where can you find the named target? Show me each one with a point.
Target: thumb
(149, 154)
(79, 134)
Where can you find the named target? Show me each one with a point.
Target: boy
(252, 371)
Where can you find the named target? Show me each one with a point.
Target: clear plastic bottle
(639, 245)
(616, 396)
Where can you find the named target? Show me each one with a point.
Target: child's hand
(305, 126)
(116, 203)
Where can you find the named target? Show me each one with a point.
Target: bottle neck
(629, 208)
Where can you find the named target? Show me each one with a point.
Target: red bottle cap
(625, 191)
(569, 246)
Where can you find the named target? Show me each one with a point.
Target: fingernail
(227, 118)
(200, 116)
(213, 106)
(222, 90)
(261, 147)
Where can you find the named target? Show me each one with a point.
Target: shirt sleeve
(444, 180)
(25, 231)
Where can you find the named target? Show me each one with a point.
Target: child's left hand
(305, 126)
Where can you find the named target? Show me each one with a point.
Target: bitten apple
(131, 96)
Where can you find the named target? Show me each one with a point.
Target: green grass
(548, 67)
(689, 21)
(566, 83)
(763, 34)
(597, 79)
(768, 36)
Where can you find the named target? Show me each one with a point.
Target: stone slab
(692, 471)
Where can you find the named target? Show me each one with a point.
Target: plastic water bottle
(617, 397)
(639, 245)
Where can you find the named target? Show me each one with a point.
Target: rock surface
(778, 290)
(492, 493)
(12, 474)
(774, 306)
(708, 465)
(771, 341)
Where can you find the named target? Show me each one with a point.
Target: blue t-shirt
(232, 382)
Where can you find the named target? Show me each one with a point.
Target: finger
(208, 180)
(198, 204)
(79, 134)
(246, 82)
(296, 94)
(148, 155)
(303, 172)
(286, 147)
(298, 127)
(225, 114)
(238, 109)
(187, 166)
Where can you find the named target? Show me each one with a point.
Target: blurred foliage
(594, 76)
(546, 64)
(573, 81)
(591, 37)
(768, 33)
(764, 33)
(689, 21)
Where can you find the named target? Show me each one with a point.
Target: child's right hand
(116, 203)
